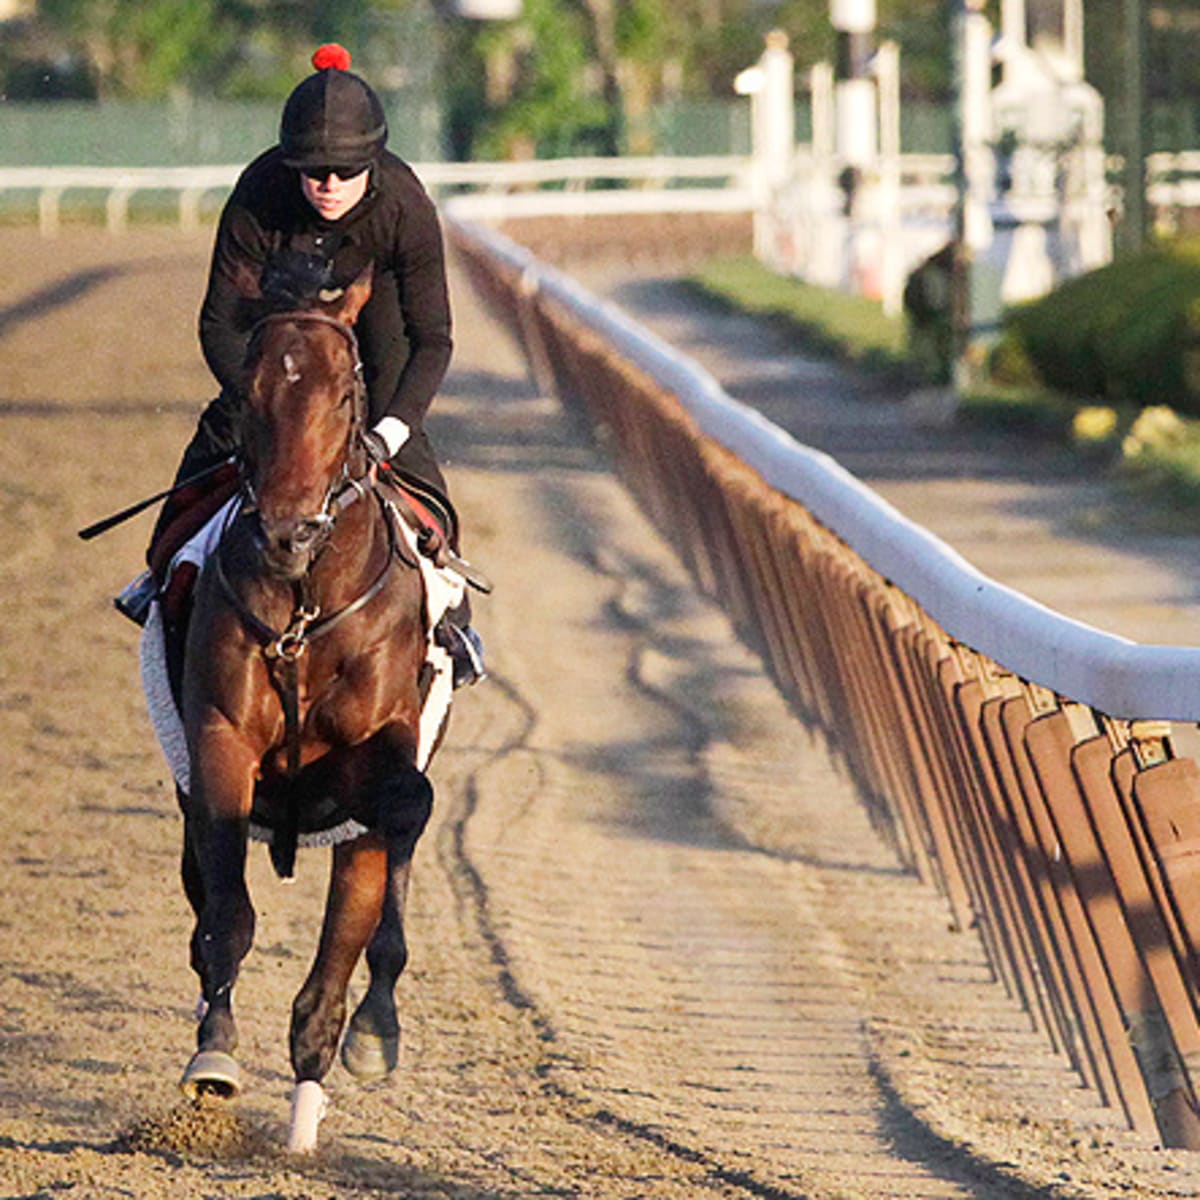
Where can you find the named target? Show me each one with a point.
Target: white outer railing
(539, 187)
(1119, 677)
(120, 184)
(551, 187)
(980, 726)
(1172, 183)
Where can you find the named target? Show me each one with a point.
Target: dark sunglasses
(320, 173)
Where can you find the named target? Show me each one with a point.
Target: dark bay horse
(302, 688)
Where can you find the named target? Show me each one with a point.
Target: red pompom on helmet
(331, 55)
(333, 116)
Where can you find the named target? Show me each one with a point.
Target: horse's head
(303, 414)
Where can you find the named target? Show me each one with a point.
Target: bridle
(344, 490)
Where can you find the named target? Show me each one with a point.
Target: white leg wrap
(308, 1108)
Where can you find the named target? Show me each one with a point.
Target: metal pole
(1133, 230)
(855, 102)
(960, 282)
(857, 117)
(887, 75)
(1073, 35)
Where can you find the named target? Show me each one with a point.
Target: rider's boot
(134, 599)
(465, 648)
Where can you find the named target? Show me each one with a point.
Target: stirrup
(135, 598)
(465, 648)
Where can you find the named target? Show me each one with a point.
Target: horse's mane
(292, 279)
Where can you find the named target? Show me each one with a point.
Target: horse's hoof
(308, 1109)
(367, 1056)
(211, 1073)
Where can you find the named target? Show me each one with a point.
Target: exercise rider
(323, 203)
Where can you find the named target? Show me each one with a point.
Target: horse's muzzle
(288, 546)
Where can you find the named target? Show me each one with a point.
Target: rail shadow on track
(70, 289)
(60, 294)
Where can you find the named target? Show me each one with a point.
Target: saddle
(185, 513)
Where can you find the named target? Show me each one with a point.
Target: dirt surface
(659, 949)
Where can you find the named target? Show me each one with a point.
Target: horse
(305, 667)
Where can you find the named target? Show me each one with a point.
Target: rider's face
(330, 194)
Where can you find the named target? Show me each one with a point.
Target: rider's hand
(383, 442)
(392, 434)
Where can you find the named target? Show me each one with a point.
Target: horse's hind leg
(371, 1049)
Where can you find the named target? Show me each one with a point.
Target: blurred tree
(35, 66)
(567, 76)
(585, 75)
(522, 88)
(141, 48)
(576, 75)
(231, 48)
(1170, 35)
(1173, 73)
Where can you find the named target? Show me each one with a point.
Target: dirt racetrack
(658, 948)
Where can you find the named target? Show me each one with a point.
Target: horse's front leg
(218, 822)
(371, 1049)
(357, 882)
(366, 897)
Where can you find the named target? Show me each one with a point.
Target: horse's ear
(348, 303)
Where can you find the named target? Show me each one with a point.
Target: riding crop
(118, 518)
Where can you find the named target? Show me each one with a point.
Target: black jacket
(404, 329)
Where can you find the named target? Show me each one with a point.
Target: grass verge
(848, 328)
(1150, 453)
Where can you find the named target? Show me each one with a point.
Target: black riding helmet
(332, 117)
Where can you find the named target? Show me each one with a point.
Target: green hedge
(1127, 334)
